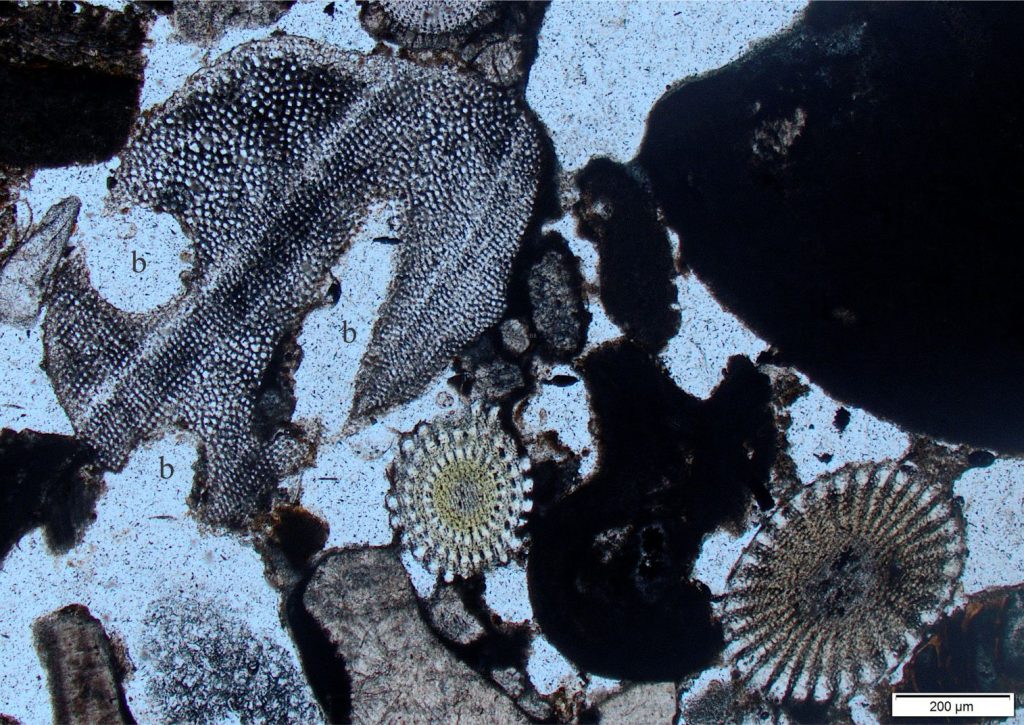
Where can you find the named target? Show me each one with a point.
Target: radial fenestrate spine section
(459, 493)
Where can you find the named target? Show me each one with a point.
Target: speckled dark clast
(70, 77)
(509, 362)
(50, 481)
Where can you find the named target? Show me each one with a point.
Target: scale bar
(953, 704)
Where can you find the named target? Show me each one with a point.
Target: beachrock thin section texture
(269, 159)
(364, 602)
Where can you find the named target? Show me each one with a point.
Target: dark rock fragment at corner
(46, 480)
(977, 648)
(363, 601)
(609, 567)
(636, 266)
(70, 76)
(853, 190)
(83, 672)
(555, 290)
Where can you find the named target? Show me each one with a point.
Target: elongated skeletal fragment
(269, 159)
(459, 493)
(26, 272)
(840, 582)
(82, 669)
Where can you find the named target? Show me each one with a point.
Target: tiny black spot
(980, 459)
(334, 292)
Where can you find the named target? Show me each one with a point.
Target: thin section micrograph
(462, 360)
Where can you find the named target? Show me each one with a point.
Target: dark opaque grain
(609, 566)
(854, 191)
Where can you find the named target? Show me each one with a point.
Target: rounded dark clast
(816, 195)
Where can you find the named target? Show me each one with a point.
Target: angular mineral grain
(25, 272)
(643, 704)
(400, 673)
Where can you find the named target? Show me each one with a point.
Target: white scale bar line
(953, 704)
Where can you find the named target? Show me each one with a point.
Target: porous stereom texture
(208, 665)
(419, 24)
(459, 493)
(270, 159)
